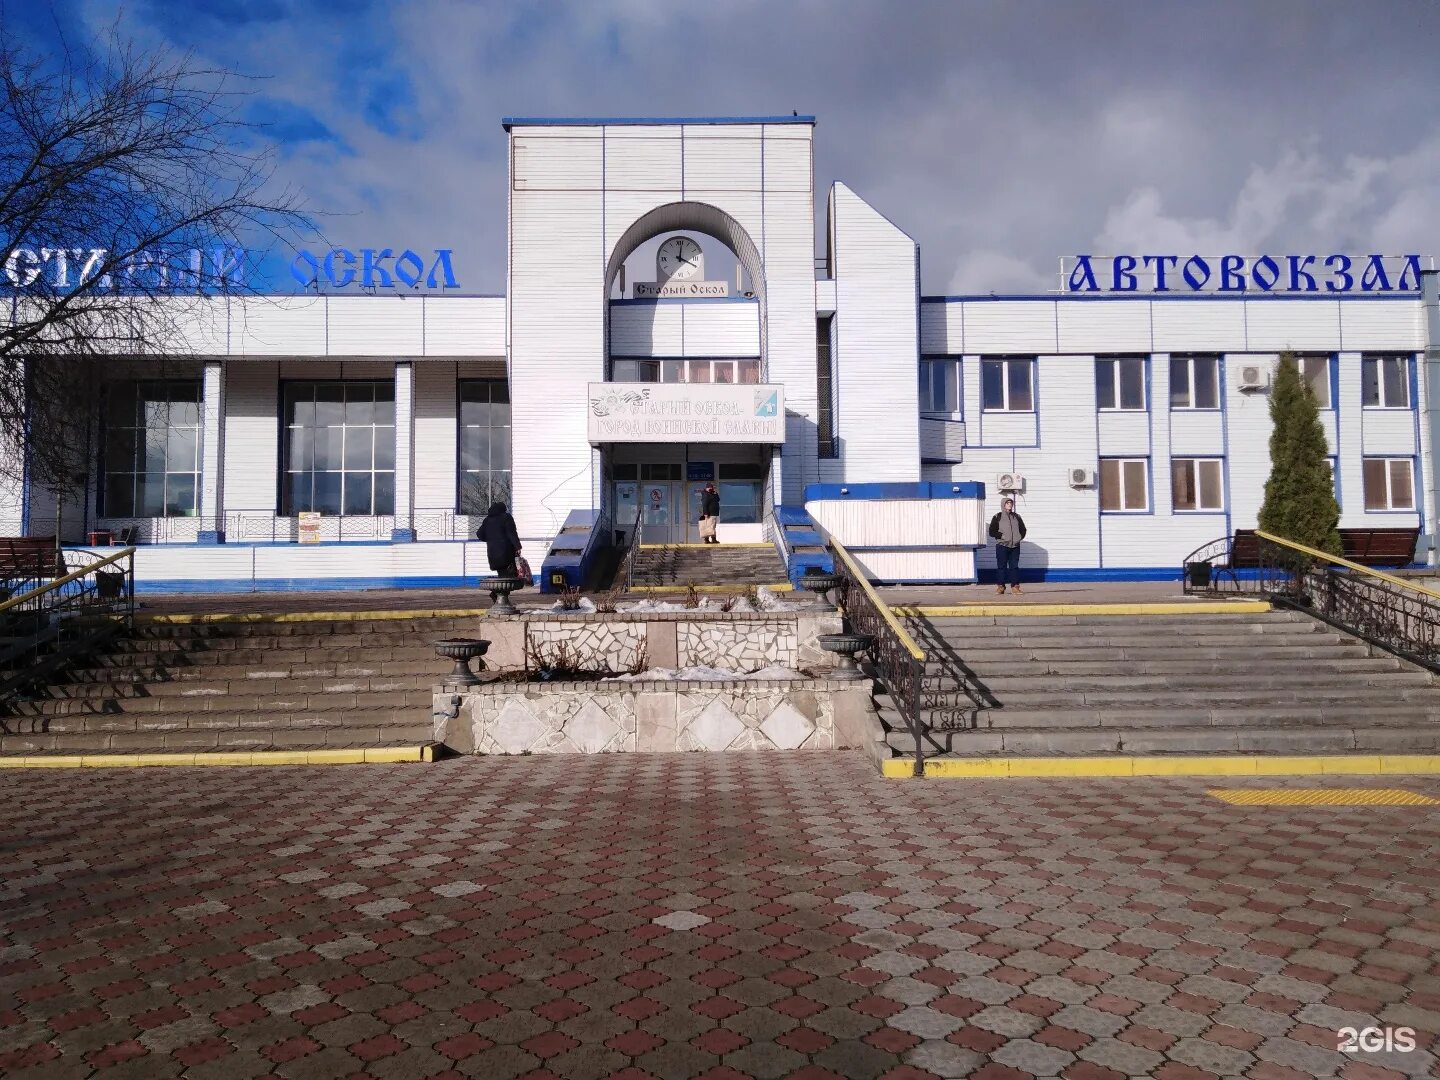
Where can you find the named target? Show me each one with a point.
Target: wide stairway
(1256, 683)
(661, 565)
(349, 682)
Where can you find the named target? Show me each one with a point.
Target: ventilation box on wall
(1081, 477)
(1010, 481)
(1254, 377)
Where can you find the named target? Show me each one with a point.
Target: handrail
(73, 575)
(1369, 571)
(883, 608)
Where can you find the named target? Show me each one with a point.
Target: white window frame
(1116, 382)
(1378, 360)
(1190, 361)
(1121, 462)
(1195, 464)
(1390, 486)
(927, 377)
(1323, 359)
(1005, 362)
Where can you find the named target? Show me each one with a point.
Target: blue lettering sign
(1273, 274)
(348, 258)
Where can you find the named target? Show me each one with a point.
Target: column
(212, 455)
(404, 528)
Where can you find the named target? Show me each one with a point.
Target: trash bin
(1197, 575)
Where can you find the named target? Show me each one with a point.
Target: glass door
(661, 508)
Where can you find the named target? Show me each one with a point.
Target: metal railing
(899, 662)
(627, 571)
(1386, 611)
(52, 622)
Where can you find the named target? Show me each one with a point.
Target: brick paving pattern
(725, 916)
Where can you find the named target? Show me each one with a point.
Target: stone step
(139, 742)
(209, 721)
(1199, 618)
(1151, 714)
(281, 700)
(1156, 653)
(1318, 684)
(997, 670)
(1222, 697)
(1121, 637)
(247, 687)
(184, 669)
(1297, 740)
(290, 642)
(268, 658)
(303, 628)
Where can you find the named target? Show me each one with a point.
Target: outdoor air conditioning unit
(1081, 477)
(1254, 377)
(1010, 481)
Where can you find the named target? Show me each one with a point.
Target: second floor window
(1315, 370)
(1385, 382)
(1389, 484)
(940, 386)
(686, 371)
(1196, 484)
(1194, 382)
(1120, 382)
(1007, 384)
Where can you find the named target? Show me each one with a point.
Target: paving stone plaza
(686, 915)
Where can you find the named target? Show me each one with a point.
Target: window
(940, 386)
(1195, 484)
(680, 371)
(1389, 484)
(1315, 370)
(484, 444)
(741, 486)
(1120, 382)
(1194, 382)
(150, 449)
(1124, 484)
(1385, 382)
(1007, 385)
(824, 388)
(339, 448)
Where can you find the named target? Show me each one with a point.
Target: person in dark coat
(1007, 529)
(502, 540)
(710, 514)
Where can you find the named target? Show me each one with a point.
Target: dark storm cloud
(1000, 135)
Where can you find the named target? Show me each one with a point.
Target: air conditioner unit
(1254, 377)
(1010, 481)
(1081, 477)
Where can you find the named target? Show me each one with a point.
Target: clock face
(679, 258)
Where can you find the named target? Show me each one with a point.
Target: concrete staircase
(707, 564)
(1259, 683)
(349, 682)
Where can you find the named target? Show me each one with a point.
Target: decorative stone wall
(592, 718)
(738, 646)
(623, 641)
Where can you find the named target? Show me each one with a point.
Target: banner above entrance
(686, 412)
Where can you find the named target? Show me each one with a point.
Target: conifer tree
(1299, 494)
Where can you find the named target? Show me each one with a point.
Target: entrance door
(664, 512)
(693, 503)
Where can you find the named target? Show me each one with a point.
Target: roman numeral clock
(679, 259)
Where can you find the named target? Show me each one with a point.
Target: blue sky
(1001, 135)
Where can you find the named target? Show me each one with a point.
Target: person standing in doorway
(710, 514)
(1007, 529)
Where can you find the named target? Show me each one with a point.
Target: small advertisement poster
(309, 527)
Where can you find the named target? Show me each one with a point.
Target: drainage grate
(1321, 797)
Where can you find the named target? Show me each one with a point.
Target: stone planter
(846, 647)
(500, 590)
(822, 585)
(462, 651)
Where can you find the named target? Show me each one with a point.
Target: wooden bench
(25, 558)
(1368, 547)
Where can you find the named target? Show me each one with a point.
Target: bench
(26, 558)
(1368, 547)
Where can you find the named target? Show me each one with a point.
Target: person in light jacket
(502, 540)
(710, 514)
(1007, 529)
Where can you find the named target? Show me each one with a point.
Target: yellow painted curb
(1121, 765)
(778, 587)
(310, 616)
(360, 756)
(1199, 607)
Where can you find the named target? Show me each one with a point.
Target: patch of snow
(585, 607)
(766, 600)
(705, 674)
